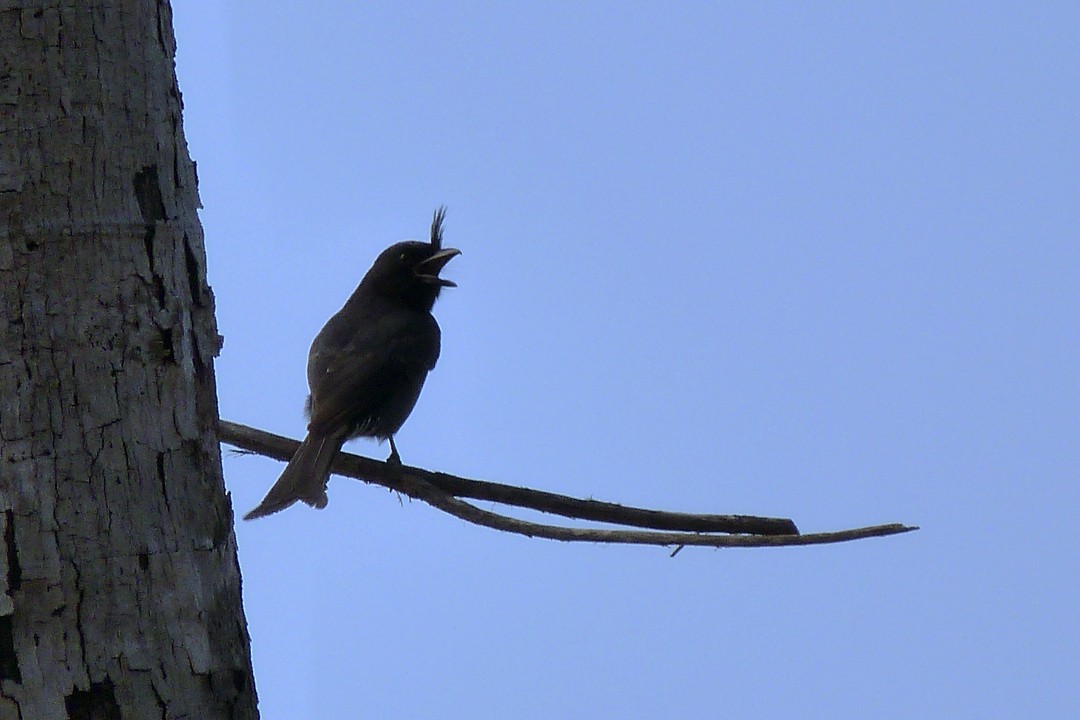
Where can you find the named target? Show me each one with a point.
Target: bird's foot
(394, 458)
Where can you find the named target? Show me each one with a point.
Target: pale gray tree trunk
(119, 583)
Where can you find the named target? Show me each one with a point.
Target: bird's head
(409, 271)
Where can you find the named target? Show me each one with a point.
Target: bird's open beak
(428, 270)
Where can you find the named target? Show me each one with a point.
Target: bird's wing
(351, 374)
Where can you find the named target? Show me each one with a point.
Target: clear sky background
(811, 260)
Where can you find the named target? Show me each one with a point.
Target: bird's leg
(394, 461)
(394, 458)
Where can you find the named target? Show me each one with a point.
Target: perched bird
(367, 365)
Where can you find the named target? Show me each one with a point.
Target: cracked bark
(119, 583)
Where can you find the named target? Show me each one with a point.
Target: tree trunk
(119, 583)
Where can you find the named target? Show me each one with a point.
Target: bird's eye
(401, 257)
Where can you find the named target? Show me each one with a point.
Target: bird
(367, 365)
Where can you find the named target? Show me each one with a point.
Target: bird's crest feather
(436, 228)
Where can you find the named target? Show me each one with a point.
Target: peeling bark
(119, 582)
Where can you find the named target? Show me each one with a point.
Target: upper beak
(428, 270)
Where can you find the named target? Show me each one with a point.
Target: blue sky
(812, 260)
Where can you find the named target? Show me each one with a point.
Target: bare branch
(380, 473)
(443, 492)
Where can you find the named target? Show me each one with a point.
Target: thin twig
(422, 490)
(440, 489)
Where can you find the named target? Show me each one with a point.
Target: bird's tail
(304, 478)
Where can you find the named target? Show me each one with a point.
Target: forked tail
(304, 478)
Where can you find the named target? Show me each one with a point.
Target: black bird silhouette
(367, 365)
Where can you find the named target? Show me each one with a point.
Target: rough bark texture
(119, 583)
